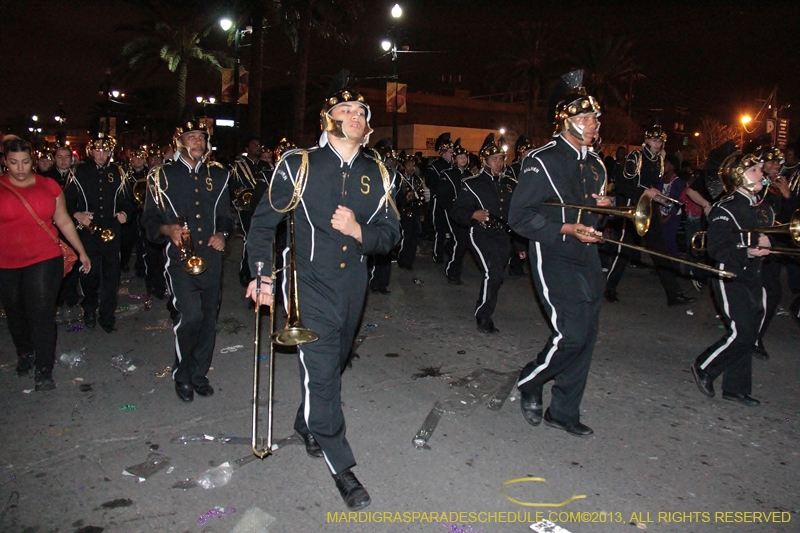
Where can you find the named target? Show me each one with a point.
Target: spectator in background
(671, 186)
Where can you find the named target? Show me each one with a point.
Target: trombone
(792, 228)
(293, 334)
(639, 213)
(701, 236)
(721, 273)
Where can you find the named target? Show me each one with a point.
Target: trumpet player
(196, 189)
(642, 173)
(342, 197)
(741, 299)
(411, 204)
(99, 202)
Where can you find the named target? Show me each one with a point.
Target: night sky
(713, 57)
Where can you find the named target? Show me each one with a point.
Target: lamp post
(745, 120)
(391, 46)
(226, 24)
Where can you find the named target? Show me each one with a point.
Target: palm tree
(301, 19)
(175, 46)
(607, 64)
(530, 58)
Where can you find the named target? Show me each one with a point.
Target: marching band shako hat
(569, 99)
(522, 144)
(731, 173)
(655, 131)
(490, 148)
(188, 126)
(140, 151)
(443, 143)
(403, 157)
(340, 94)
(458, 149)
(283, 146)
(768, 152)
(101, 143)
(384, 148)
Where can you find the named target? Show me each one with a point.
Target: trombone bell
(639, 213)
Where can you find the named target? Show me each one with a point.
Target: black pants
(491, 248)
(29, 295)
(442, 242)
(461, 244)
(322, 364)
(410, 226)
(196, 301)
(731, 356)
(101, 283)
(130, 240)
(154, 270)
(654, 240)
(70, 292)
(245, 277)
(380, 271)
(567, 355)
(771, 277)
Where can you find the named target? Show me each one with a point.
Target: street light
(226, 24)
(746, 119)
(34, 118)
(391, 46)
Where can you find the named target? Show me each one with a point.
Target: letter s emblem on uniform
(595, 174)
(364, 184)
(111, 177)
(209, 186)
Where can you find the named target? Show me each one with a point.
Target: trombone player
(195, 189)
(742, 299)
(342, 197)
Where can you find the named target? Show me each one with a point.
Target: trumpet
(244, 196)
(106, 234)
(639, 213)
(140, 191)
(191, 263)
(699, 243)
(720, 273)
(663, 199)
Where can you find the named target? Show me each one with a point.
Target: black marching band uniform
(100, 190)
(449, 187)
(566, 272)
(331, 274)
(643, 170)
(490, 238)
(433, 175)
(153, 253)
(200, 195)
(380, 265)
(131, 238)
(246, 174)
(410, 200)
(742, 299)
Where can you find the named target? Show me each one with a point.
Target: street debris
(122, 363)
(155, 463)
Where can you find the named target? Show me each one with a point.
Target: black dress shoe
(89, 318)
(313, 448)
(486, 325)
(611, 296)
(24, 365)
(760, 353)
(353, 493)
(108, 328)
(744, 399)
(680, 299)
(531, 409)
(579, 430)
(703, 380)
(44, 380)
(184, 391)
(381, 290)
(204, 389)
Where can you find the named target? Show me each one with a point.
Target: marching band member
(448, 192)
(345, 214)
(743, 298)
(433, 175)
(566, 271)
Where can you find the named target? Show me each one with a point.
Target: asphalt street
(662, 458)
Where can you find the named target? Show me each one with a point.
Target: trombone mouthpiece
(259, 266)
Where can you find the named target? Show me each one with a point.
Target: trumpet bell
(194, 265)
(244, 197)
(294, 336)
(140, 191)
(107, 235)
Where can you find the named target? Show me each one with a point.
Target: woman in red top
(31, 264)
